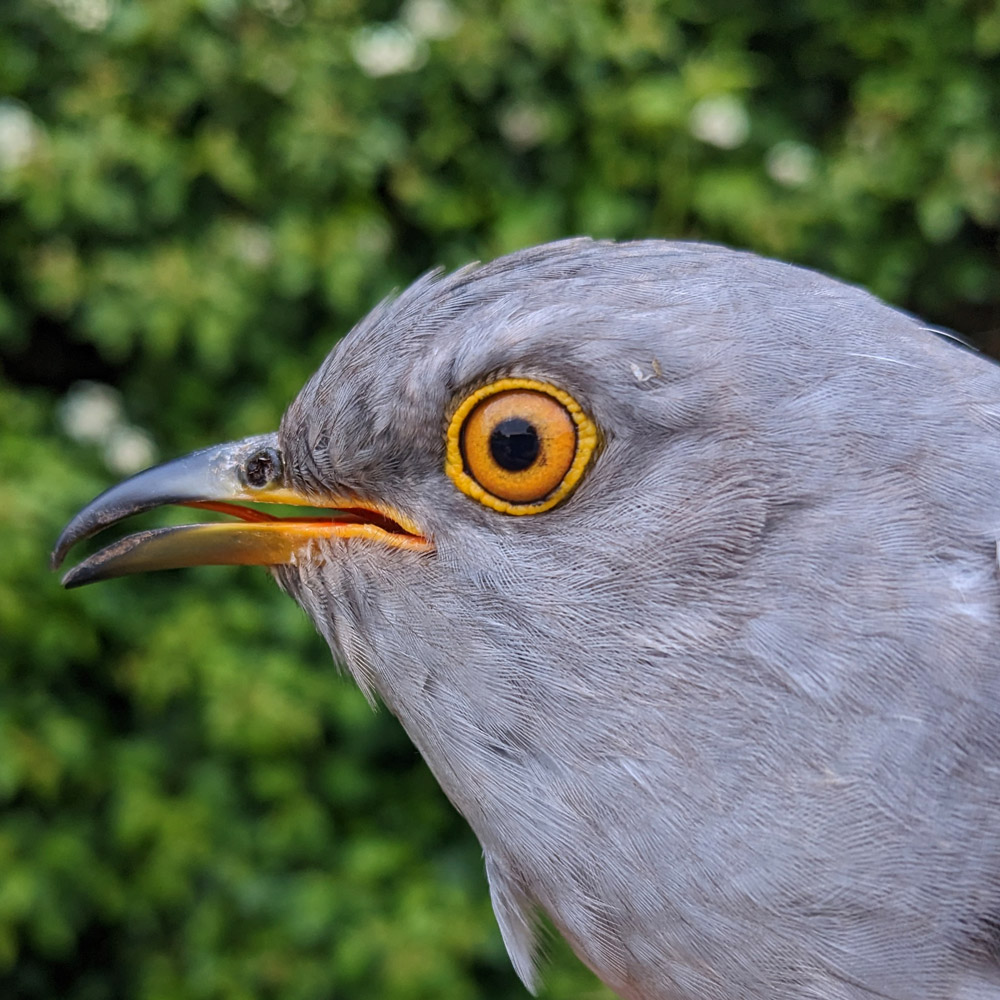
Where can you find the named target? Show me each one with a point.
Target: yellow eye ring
(519, 445)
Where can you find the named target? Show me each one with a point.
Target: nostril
(263, 468)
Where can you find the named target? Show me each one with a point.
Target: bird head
(501, 459)
(538, 492)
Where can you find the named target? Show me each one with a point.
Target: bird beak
(219, 478)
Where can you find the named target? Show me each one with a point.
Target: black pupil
(263, 468)
(514, 444)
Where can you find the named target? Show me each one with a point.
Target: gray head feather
(729, 714)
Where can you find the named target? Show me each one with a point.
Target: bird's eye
(519, 445)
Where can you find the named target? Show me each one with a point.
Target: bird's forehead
(575, 311)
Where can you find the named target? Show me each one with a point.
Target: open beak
(218, 479)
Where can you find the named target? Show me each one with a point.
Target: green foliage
(196, 198)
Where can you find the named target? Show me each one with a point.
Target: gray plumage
(728, 714)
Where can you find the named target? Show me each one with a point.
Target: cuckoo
(679, 566)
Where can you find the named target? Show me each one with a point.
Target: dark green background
(197, 197)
